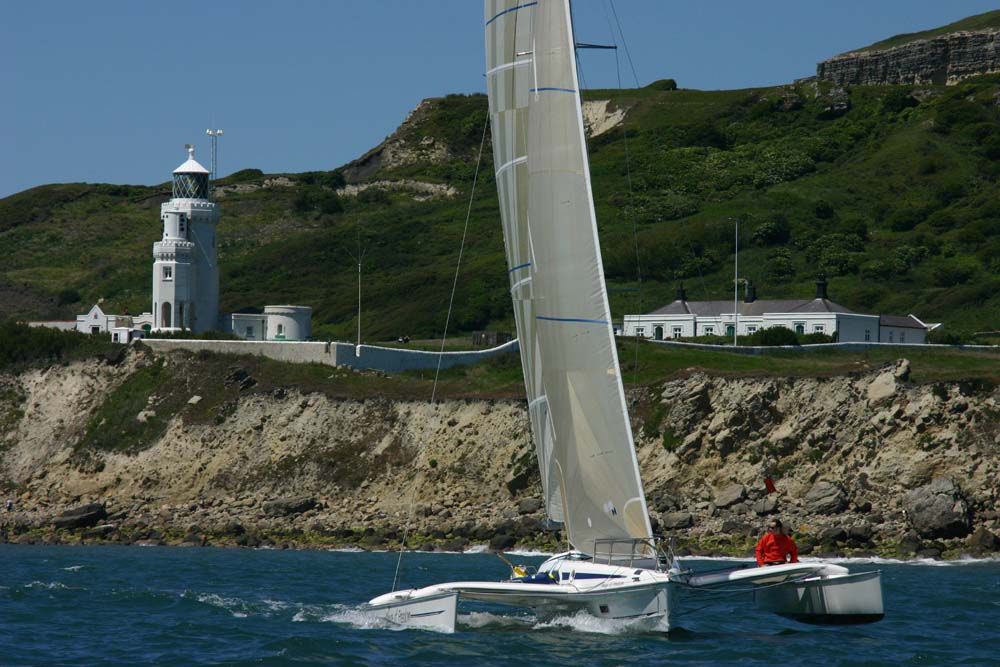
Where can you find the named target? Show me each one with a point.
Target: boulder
(675, 520)
(825, 498)
(766, 506)
(861, 532)
(882, 387)
(983, 540)
(529, 505)
(520, 478)
(731, 527)
(502, 542)
(833, 535)
(910, 543)
(289, 506)
(938, 510)
(84, 516)
(730, 495)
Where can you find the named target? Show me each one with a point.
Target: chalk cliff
(944, 59)
(869, 462)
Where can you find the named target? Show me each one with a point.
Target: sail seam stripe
(520, 266)
(510, 65)
(570, 319)
(558, 90)
(507, 165)
(512, 9)
(538, 400)
(519, 283)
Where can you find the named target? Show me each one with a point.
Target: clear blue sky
(110, 91)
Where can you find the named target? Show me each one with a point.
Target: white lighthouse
(185, 270)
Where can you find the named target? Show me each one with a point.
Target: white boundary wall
(850, 347)
(372, 357)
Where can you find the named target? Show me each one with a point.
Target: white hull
(416, 609)
(844, 599)
(814, 593)
(566, 585)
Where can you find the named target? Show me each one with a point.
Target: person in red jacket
(775, 547)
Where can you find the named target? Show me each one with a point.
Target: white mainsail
(577, 402)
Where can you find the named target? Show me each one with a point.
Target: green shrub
(774, 336)
(906, 219)
(775, 231)
(663, 84)
(954, 272)
(897, 100)
(815, 338)
(21, 344)
(67, 296)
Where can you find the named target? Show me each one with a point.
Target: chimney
(681, 294)
(749, 292)
(821, 288)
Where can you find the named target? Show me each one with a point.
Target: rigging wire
(444, 334)
(461, 250)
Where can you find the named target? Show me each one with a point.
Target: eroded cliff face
(944, 59)
(857, 461)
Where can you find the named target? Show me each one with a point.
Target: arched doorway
(165, 315)
(658, 333)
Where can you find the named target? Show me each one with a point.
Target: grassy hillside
(982, 21)
(895, 200)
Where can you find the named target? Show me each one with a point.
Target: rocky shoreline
(870, 464)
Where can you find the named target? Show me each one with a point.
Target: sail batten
(583, 438)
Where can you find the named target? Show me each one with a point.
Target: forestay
(578, 415)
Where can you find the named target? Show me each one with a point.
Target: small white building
(275, 323)
(687, 319)
(97, 321)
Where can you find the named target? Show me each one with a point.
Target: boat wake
(359, 620)
(486, 620)
(587, 623)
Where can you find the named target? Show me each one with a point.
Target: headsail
(578, 414)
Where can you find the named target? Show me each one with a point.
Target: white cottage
(685, 319)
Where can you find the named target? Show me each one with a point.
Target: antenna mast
(215, 134)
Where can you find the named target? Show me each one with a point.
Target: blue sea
(118, 605)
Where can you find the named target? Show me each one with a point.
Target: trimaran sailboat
(579, 420)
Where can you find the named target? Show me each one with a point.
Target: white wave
(348, 550)
(481, 619)
(478, 549)
(50, 585)
(275, 605)
(73, 568)
(585, 622)
(235, 606)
